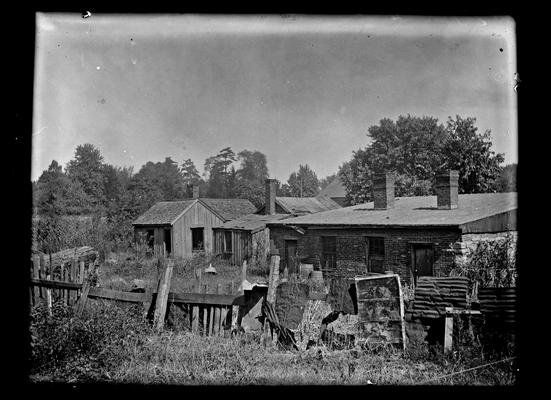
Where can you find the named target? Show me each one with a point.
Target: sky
(301, 90)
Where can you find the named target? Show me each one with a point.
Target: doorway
(422, 260)
(168, 241)
(291, 256)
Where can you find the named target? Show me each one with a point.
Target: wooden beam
(102, 293)
(217, 312)
(47, 283)
(162, 297)
(204, 289)
(273, 279)
(448, 330)
(207, 298)
(81, 302)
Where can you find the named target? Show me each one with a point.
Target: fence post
(195, 309)
(234, 310)
(36, 268)
(162, 297)
(217, 312)
(448, 330)
(273, 282)
(204, 289)
(244, 272)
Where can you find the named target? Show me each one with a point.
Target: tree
(471, 154)
(507, 181)
(416, 149)
(57, 194)
(304, 182)
(324, 182)
(217, 170)
(253, 168)
(86, 168)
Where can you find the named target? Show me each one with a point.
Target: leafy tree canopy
(304, 182)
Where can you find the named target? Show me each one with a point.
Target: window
(329, 251)
(375, 254)
(150, 237)
(168, 241)
(376, 246)
(227, 242)
(197, 239)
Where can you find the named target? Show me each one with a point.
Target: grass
(113, 343)
(121, 269)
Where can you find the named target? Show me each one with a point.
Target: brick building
(412, 236)
(248, 238)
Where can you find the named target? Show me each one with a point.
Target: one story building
(411, 236)
(248, 238)
(336, 192)
(183, 228)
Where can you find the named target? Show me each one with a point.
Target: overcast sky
(299, 89)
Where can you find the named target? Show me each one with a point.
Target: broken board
(380, 309)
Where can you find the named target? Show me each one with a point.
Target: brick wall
(351, 253)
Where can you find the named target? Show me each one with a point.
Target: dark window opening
(227, 242)
(150, 237)
(291, 259)
(329, 251)
(377, 246)
(375, 254)
(168, 241)
(197, 239)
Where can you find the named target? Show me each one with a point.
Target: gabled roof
(334, 189)
(304, 205)
(167, 212)
(413, 211)
(252, 222)
(164, 213)
(228, 209)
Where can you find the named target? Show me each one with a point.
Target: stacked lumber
(499, 303)
(434, 294)
(84, 253)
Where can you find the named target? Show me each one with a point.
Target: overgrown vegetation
(490, 264)
(115, 344)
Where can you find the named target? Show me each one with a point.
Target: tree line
(416, 149)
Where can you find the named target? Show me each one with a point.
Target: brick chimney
(383, 191)
(269, 208)
(195, 190)
(447, 190)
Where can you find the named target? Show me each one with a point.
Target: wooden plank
(223, 316)
(48, 283)
(35, 275)
(81, 302)
(207, 299)
(448, 330)
(162, 297)
(217, 312)
(244, 271)
(204, 289)
(49, 297)
(273, 279)
(195, 310)
(102, 293)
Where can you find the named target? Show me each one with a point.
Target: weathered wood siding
(241, 246)
(198, 216)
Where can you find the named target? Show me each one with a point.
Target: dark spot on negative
(501, 50)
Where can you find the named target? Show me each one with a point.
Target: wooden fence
(212, 311)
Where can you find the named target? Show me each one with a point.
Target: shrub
(67, 347)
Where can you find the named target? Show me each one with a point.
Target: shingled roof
(304, 205)
(334, 189)
(167, 212)
(163, 213)
(413, 211)
(252, 222)
(228, 209)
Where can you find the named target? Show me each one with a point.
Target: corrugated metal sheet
(413, 211)
(499, 303)
(434, 294)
